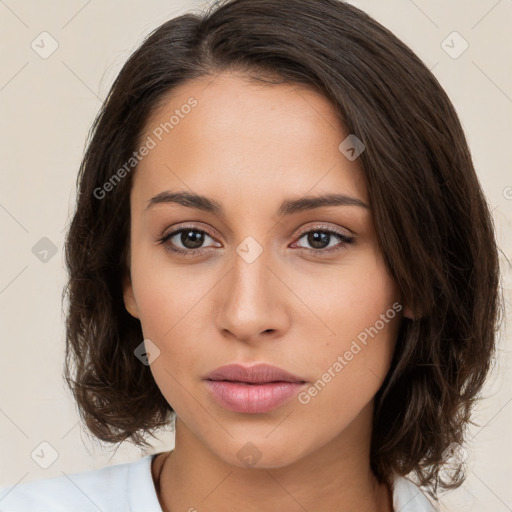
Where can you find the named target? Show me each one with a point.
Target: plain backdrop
(47, 104)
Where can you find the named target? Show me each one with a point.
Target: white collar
(408, 497)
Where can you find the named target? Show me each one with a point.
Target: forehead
(246, 138)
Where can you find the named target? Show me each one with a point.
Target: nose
(253, 301)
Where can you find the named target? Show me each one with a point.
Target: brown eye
(191, 240)
(319, 240)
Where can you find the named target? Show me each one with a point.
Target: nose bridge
(250, 276)
(250, 297)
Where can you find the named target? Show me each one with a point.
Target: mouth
(252, 398)
(256, 374)
(255, 383)
(255, 389)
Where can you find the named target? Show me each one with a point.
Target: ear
(408, 313)
(129, 300)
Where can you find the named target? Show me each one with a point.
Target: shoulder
(127, 486)
(408, 497)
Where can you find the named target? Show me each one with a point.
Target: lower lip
(252, 398)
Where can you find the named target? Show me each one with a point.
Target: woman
(280, 242)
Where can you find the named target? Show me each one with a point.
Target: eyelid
(182, 227)
(325, 227)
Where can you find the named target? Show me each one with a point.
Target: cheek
(348, 299)
(176, 322)
(166, 294)
(174, 312)
(362, 313)
(172, 316)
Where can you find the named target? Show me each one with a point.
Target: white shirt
(130, 487)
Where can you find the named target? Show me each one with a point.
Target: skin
(250, 146)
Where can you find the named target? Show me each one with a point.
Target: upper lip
(258, 373)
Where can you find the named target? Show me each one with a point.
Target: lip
(252, 389)
(255, 374)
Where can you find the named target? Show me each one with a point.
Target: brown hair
(430, 214)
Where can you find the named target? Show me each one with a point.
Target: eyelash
(344, 240)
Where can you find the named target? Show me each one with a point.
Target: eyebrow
(288, 207)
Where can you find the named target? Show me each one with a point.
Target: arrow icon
(249, 249)
(454, 45)
(352, 147)
(44, 250)
(44, 44)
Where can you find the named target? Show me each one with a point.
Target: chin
(260, 452)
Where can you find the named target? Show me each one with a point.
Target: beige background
(47, 106)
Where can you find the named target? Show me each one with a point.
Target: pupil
(317, 238)
(196, 236)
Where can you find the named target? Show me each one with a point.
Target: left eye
(320, 238)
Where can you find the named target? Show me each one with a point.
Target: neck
(336, 477)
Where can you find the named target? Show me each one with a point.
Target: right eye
(189, 237)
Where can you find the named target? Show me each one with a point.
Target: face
(303, 289)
